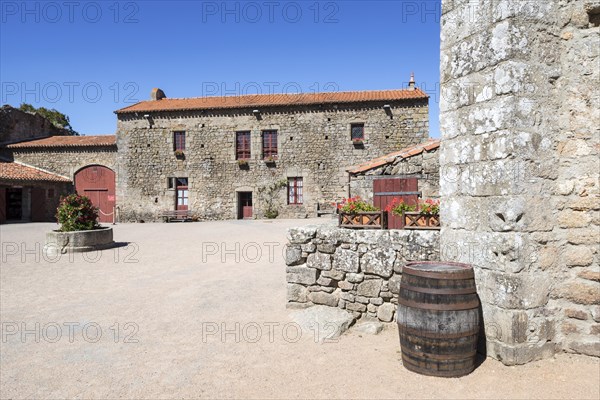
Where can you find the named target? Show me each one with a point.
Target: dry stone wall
(520, 169)
(314, 143)
(355, 270)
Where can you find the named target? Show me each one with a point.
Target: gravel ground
(197, 310)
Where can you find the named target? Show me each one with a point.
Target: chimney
(411, 83)
(157, 94)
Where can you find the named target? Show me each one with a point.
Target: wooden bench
(177, 215)
(326, 209)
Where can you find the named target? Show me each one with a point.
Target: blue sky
(89, 58)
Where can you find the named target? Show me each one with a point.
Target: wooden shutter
(387, 189)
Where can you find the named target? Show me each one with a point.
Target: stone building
(256, 155)
(39, 163)
(520, 169)
(420, 162)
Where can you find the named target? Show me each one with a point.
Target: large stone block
(369, 288)
(385, 312)
(379, 261)
(301, 235)
(346, 260)
(326, 299)
(293, 255)
(320, 261)
(302, 275)
(514, 291)
(579, 292)
(297, 293)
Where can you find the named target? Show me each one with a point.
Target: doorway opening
(244, 205)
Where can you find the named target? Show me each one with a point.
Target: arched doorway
(98, 183)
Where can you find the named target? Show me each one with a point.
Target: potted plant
(179, 154)
(354, 212)
(397, 208)
(270, 160)
(243, 164)
(358, 141)
(79, 229)
(426, 217)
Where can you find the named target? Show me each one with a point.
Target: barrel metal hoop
(411, 366)
(468, 274)
(440, 307)
(438, 291)
(442, 357)
(436, 335)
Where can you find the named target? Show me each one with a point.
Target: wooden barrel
(438, 318)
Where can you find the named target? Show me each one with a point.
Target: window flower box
(243, 164)
(420, 220)
(363, 220)
(358, 142)
(179, 154)
(270, 160)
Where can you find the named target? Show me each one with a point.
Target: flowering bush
(397, 206)
(430, 207)
(76, 213)
(355, 205)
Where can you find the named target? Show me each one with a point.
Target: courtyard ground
(197, 310)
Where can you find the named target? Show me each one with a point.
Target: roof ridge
(278, 94)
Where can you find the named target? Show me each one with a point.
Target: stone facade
(425, 166)
(314, 143)
(65, 161)
(356, 270)
(520, 169)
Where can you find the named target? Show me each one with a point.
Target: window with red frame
(269, 144)
(179, 141)
(357, 131)
(295, 191)
(242, 145)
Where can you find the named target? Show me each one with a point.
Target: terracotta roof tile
(263, 100)
(10, 171)
(67, 141)
(390, 158)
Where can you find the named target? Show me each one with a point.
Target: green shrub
(76, 213)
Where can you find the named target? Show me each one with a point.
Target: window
(179, 141)
(173, 182)
(295, 191)
(357, 131)
(269, 144)
(242, 145)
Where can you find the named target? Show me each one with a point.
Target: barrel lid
(441, 269)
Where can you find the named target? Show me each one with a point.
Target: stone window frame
(179, 140)
(356, 125)
(295, 191)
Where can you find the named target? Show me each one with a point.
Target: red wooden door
(387, 189)
(38, 205)
(98, 183)
(182, 198)
(245, 205)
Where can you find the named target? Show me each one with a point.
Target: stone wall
(17, 125)
(520, 169)
(424, 166)
(313, 143)
(356, 270)
(65, 161)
